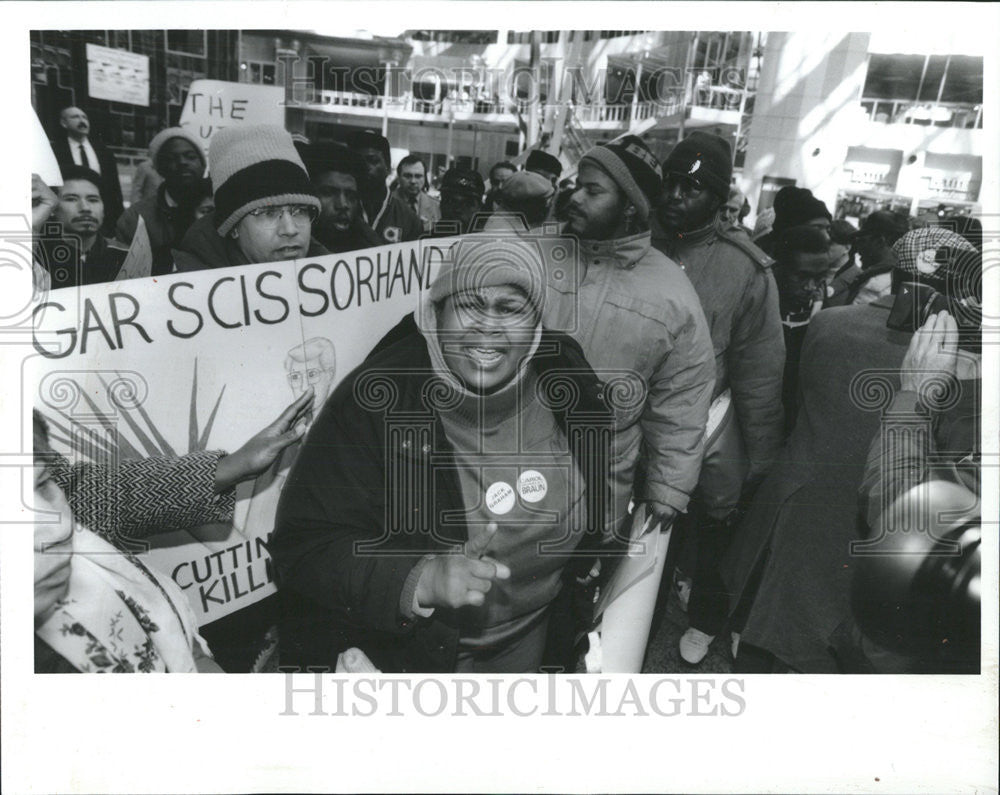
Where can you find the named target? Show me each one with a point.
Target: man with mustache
(78, 253)
(76, 149)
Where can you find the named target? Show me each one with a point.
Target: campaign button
(532, 486)
(500, 497)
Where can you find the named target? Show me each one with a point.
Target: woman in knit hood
(444, 549)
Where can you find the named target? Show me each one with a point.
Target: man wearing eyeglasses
(737, 291)
(265, 205)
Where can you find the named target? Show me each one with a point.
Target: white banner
(202, 361)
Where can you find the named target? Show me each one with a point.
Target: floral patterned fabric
(119, 616)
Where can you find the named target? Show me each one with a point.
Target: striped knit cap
(633, 168)
(255, 166)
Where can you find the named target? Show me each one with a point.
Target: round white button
(532, 486)
(500, 497)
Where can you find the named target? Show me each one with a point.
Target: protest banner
(173, 364)
(211, 105)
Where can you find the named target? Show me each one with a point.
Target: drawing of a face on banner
(312, 364)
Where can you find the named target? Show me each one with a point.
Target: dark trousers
(709, 603)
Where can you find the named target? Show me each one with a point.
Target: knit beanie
(255, 166)
(703, 157)
(796, 206)
(633, 168)
(492, 262)
(174, 132)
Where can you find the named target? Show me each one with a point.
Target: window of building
(925, 78)
(259, 72)
(524, 36)
(187, 42)
(939, 90)
(455, 36)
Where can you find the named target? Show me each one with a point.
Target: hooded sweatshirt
(515, 469)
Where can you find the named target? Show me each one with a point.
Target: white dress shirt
(92, 162)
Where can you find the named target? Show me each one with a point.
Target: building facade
(868, 121)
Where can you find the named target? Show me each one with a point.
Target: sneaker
(694, 645)
(735, 647)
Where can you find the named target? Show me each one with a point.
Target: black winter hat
(369, 139)
(461, 180)
(796, 206)
(544, 161)
(633, 168)
(321, 158)
(705, 158)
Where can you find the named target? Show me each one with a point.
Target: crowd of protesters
(675, 303)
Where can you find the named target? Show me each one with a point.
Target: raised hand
(933, 351)
(461, 578)
(261, 450)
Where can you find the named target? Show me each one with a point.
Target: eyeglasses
(270, 217)
(688, 186)
(312, 376)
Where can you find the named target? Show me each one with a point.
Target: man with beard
(383, 210)
(79, 253)
(180, 160)
(336, 173)
(734, 284)
(637, 318)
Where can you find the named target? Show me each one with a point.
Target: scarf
(119, 616)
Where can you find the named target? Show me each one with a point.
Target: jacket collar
(622, 252)
(673, 239)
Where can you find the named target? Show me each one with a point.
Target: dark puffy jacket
(336, 596)
(203, 248)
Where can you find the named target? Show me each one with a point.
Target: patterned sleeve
(140, 498)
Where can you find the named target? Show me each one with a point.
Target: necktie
(83, 157)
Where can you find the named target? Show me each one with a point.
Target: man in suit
(76, 149)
